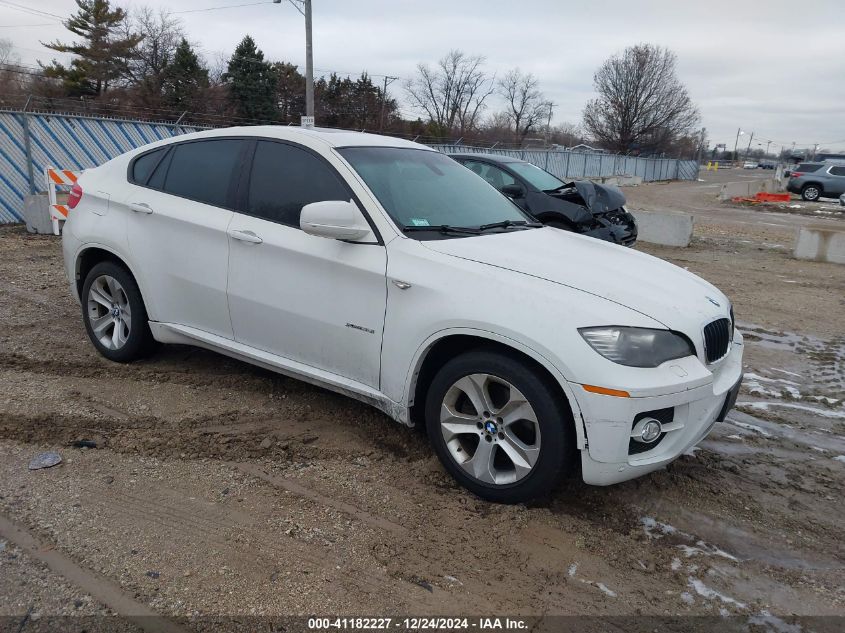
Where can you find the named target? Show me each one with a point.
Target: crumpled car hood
(599, 198)
(653, 287)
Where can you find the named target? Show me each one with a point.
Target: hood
(599, 198)
(662, 291)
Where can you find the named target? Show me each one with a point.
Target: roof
(329, 136)
(495, 158)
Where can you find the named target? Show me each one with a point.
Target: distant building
(821, 156)
(581, 147)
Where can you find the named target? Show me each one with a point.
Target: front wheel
(811, 193)
(499, 427)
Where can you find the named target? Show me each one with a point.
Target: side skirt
(185, 335)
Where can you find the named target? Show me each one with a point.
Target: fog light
(647, 430)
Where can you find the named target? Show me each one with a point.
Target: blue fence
(63, 141)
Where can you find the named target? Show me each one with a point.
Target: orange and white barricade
(58, 178)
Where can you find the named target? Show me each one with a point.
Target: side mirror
(513, 191)
(335, 219)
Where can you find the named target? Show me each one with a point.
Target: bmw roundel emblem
(714, 302)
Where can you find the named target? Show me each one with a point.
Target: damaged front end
(594, 210)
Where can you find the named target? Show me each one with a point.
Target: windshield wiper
(443, 228)
(508, 223)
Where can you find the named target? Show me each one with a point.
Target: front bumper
(608, 420)
(618, 227)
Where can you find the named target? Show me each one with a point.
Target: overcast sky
(776, 68)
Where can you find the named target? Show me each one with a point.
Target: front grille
(717, 339)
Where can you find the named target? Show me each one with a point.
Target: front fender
(426, 346)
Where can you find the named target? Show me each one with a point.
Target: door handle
(245, 236)
(140, 207)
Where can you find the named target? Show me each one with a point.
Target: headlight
(636, 346)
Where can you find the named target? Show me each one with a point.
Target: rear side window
(202, 170)
(144, 165)
(285, 178)
(837, 170)
(806, 168)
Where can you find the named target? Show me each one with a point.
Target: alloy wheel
(490, 429)
(109, 312)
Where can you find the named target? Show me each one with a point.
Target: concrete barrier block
(36, 213)
(820, 244)
(667, 229)
(747, 188)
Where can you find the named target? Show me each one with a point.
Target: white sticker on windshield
(419, 222)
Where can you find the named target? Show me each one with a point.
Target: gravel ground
(220, 489)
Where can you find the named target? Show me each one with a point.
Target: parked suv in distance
(580, 206)
(385, 271)
(817, 180)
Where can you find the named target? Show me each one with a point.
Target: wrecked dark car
(579, 206)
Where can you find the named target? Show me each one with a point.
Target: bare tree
(453, 93)
(11, 77)
(527, 108)
(642, 106)
(161, 35)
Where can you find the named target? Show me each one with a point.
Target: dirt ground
(219, 489)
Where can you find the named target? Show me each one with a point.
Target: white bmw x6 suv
(386, 271)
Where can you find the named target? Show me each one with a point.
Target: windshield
(540, 178)
(421, 188)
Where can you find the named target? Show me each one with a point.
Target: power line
(22, 26)
(30, 10)
(228, 6)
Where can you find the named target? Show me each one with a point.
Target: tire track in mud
(101, 588)
(321, 499)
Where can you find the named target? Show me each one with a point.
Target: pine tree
(184, 79)
(104, 53)
(251, 83)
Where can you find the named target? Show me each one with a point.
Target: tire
(121, 331)
(811, 192)
(523, 456)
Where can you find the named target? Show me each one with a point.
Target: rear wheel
(499, 427)
(114, 313)
(811, 193)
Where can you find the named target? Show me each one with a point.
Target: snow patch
(771, 622)
(708, 550)
(572, 569)
(711, 594)
(686, 598)
(790, 405)
(752, 427)
(840, 458)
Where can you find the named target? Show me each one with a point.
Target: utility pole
(736, 142)
(748, 149)
(304, 7)
(700, 145)
(309, 64)
(384, 100)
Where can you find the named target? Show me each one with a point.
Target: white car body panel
(359, 318)
(294, 312)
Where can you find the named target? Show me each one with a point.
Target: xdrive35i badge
(714, 302)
